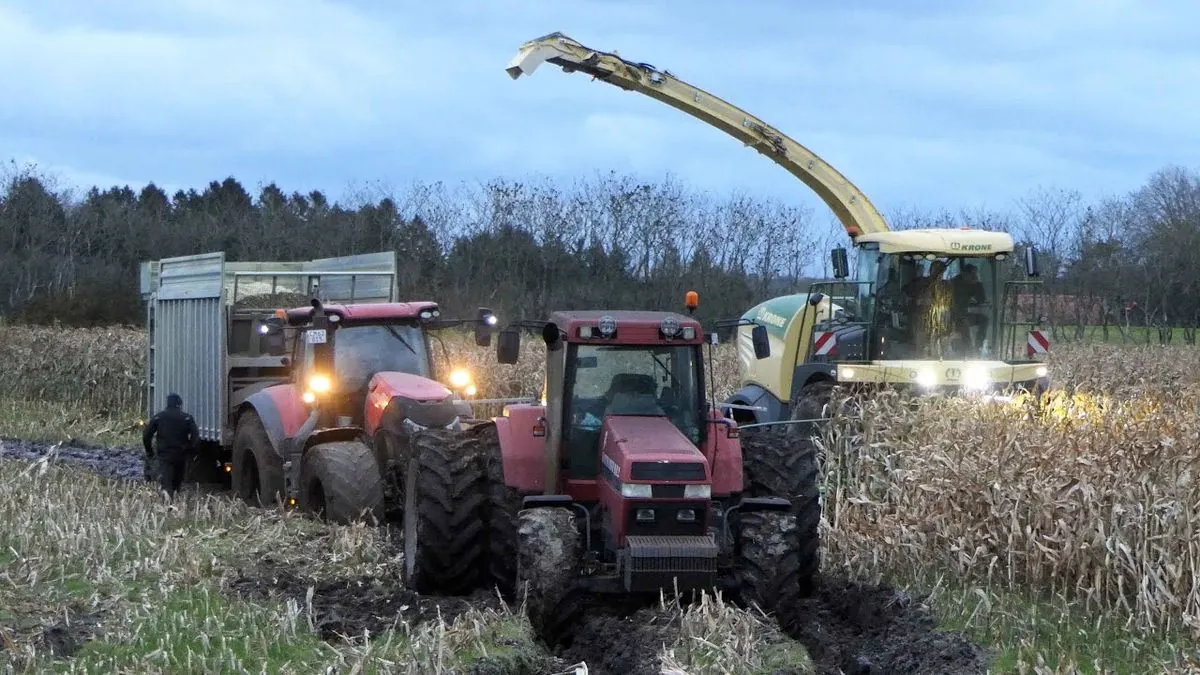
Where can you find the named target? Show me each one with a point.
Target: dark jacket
(176, 431)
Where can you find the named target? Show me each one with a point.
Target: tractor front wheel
(548, 554)
(340, 482)
(770, 550)
(257, 471)
(443, 517)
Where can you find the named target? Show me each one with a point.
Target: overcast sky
(930, 104)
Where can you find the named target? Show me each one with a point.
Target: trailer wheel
(784, 464)
(340, 482)
(769, 550)
(257, 471)
(444, 513)
(548, 554)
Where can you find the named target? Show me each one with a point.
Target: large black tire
(503, 506)
(340, 482)
(257, 471)
(784, 464)
(444, 515)
(770, 554)
(548, 559)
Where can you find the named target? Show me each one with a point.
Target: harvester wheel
(340, 482)
(444, 513)
(778, 464)
(257, 471)
(548, 554)
(770, 550)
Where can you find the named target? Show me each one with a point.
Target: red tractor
(623, 480)
(331, 440)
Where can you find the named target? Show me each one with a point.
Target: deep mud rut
(848, 628)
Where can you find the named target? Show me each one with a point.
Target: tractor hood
(650, 449)
(419, 399)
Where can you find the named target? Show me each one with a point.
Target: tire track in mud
(847, 627)
(123, 463)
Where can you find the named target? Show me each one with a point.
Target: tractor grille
(651, 563)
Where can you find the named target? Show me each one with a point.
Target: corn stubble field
(1065, 539)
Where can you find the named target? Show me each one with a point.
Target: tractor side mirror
(552, 336)
(841, 262)
(1031, 261)
(485, 319)
(508, 346)
(762, 345)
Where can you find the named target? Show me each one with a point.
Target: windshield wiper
(395, 333)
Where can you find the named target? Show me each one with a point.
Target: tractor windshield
(934, 306)
(361, 351)
(638, 380)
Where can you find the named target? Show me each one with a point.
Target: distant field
(1066, 536)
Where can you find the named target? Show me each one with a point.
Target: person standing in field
(177, 436)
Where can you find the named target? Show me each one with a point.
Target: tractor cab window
(362, 351)
(933, 306)
(636, 380)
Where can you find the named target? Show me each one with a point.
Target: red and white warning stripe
(1038, 343)
(824, 343)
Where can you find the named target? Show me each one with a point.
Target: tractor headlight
(697, 492)
(460, 377)
(320, 384)
(637, 490)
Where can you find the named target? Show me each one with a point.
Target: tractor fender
(281, 416)
(522, 454)
(756, 395)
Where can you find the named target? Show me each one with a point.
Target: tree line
(527, 248)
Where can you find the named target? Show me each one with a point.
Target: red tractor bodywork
(387, 403)
(642, 476)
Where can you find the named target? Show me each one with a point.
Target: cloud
(921, 103)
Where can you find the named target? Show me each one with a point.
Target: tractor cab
(352, 360)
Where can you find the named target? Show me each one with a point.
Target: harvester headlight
(460, 377)
(1043, 371)
(637, 490)
(977, 378)
(926, 378)
(846, 373)
(319, 384)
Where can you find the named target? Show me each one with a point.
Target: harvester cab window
(626, 380)
(948, 303)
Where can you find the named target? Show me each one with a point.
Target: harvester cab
(625, 479)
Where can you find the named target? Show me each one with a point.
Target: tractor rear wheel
(257, 471)
(340, 482)
(548, 555)
(444, 513)
(503, 506)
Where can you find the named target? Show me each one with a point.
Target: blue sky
(926, 104)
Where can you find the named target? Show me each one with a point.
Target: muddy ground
(847, 627)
